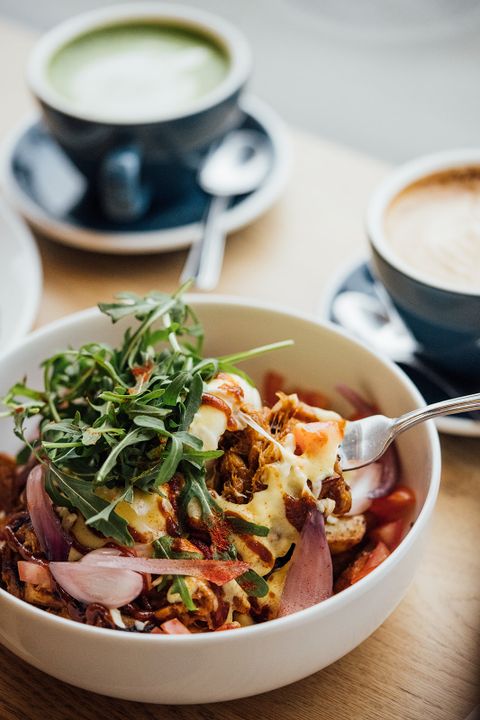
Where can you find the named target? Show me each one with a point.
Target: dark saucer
(53, 196)
(360, 279)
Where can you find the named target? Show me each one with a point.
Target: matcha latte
(130, 71)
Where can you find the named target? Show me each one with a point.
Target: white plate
(158, 240)
(20, 279)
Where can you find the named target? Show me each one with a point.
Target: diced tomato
(312, 398)
(228, 626)
(394, 506)
(391, 533)
(372, 560)
(273, 383)
(34, 573)
(311, 437)
(175, 627)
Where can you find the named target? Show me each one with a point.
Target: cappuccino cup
(423, 225)
(135, 95)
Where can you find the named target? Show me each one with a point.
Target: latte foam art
(434, 227)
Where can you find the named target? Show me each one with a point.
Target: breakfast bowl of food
(176, 525)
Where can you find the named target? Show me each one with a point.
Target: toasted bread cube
(345, 533)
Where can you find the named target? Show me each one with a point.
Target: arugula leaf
(107, 511)
(254, 352)
(170, 462)
(163, 549)
(180, 586)
(244, 527)
(193, 401)
(195, 488)
(198, 458)
(190, 440)
(80, 495)
(129, 304)
(132, 438)
(173, 390)
(153, 423)
(253, 584)
(23, 455)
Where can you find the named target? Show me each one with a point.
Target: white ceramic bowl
(229, 665)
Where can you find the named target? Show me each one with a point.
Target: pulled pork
(238, 473)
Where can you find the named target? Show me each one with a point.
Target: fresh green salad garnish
(119, 418)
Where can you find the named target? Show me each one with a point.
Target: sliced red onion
(390, 464)
(361, 406)
(31, 572)
(363, 483)
(48, 529)
(88, 583)
(92, 557)
(217, 571)
(175, 627)
(310, 576)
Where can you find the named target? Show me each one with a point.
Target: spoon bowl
(375, 321)
(238, 165)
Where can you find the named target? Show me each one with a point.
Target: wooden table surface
(424, 661)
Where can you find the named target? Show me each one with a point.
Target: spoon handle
(190, 268)
(196, 255)
(212, 246)
(446, 407)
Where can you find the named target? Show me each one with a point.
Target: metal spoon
(366, 440)
(376, 321)
(235, 167)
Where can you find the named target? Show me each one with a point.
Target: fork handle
(446, 407)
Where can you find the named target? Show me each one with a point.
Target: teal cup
(435, 288)
(135, 95)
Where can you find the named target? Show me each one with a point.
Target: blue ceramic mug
(134, 154)
(442, 311)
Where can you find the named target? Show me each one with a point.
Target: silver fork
(366, 440)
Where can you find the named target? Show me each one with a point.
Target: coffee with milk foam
(433, 226)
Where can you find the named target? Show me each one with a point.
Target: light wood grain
(424, 661)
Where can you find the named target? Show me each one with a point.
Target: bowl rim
(391, 186)
(208, 24)
(302, 617)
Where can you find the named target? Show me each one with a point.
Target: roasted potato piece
(345, 533)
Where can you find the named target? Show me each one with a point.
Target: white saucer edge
(153, 241)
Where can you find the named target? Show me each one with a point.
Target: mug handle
(123, 195)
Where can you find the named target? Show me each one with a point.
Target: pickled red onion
(50, 534)
(310, 576)
(89, 583)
